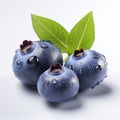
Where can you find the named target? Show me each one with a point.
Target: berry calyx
(26, 46)
(78, 53)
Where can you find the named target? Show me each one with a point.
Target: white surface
(19, 102)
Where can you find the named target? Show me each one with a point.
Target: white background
(19, 102)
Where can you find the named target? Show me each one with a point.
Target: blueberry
(33, 58)
(90, 67)
(58, 84)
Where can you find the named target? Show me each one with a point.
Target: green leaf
(47, 29)
(82, 34)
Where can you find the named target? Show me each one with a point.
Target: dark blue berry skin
(90, 67)
(33, 58)
(58, 84)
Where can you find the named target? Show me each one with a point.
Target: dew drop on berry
(44, 46)
(70, 67)
(103, 56)
(33, 61)
(80, 71)
(97, 83)
(96, 57)
(93, 87)
(100, 81)
(54, 81)
(64, 83)
(105, 63)
(105, 76)
(90, 68)
(98, 67)
(19, 63)
(73, 83)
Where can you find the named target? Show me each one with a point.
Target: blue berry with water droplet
(58, 84)
(90, 66)
(33, 58)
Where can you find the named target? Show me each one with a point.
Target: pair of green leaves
(81, 36)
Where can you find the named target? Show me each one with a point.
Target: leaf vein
(83, 32)
(52, 34)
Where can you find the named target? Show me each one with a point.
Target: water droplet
(73, 83)
(101, 81)
(70, 67)
(96, 57)
(44, 45)
(93, 87)
(105, 76)
(54, 81)
(81, 72)
(64, 83)
(98, 67)
(90, 68)
(97, 83)
(19, 63)
(103, 56)
(33, 61)
(106, 63)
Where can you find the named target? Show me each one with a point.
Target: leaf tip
(33, 14)
(91, 13)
